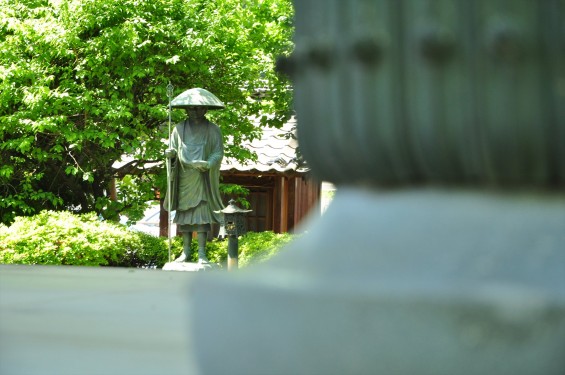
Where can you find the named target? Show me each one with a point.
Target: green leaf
(83, 82)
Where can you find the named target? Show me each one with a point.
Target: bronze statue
(195, 153)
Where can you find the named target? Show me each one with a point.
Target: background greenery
(83, 82)
(63, 238)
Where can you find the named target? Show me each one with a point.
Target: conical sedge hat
(197, 97)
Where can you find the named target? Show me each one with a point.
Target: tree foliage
(83, 82)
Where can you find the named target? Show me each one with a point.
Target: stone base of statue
(189, 266)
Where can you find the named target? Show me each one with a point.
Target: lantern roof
(233, 209)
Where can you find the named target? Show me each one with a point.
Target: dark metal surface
(443, 92)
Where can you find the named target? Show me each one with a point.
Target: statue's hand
(202, 167)
(170, 153)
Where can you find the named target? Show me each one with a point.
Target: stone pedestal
(70, 320)
(189, 267)
(422, 282)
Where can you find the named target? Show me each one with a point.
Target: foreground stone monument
(443, 124)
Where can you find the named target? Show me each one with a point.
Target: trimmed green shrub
(254, 247)
(257, 247)
(63, 238)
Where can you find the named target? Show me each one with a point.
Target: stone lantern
(234, 222)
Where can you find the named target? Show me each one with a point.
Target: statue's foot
(181, 259)
(203, 260)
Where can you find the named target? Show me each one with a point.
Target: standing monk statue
(195, 154)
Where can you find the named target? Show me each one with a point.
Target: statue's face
(196, 112)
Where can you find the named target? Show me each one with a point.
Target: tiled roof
(276, 153)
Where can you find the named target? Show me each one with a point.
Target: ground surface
(82, 320)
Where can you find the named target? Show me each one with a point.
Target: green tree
(83, 82)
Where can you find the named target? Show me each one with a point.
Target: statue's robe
(195, 194)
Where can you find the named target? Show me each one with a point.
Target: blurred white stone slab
(91, 320)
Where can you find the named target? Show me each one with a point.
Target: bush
(257, 247)
(254, 247)
(63, 238)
